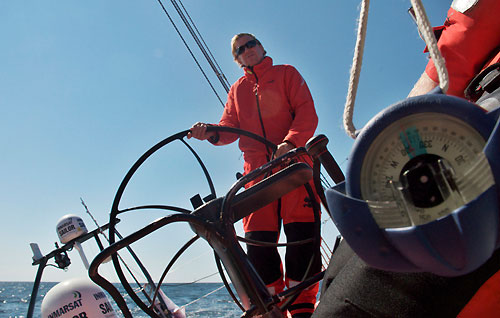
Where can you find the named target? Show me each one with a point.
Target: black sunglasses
(241, 49)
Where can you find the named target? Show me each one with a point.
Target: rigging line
(325, 247)
(119, 256)
(199, 43)
(324, 181)
(190, 52)
(93, 219)
(342, 163)
(325, 185)
(218, 71)
(325, 221)
(324, 260)
(189, 261)
(206, 295)
(324, 252)
(193, 282)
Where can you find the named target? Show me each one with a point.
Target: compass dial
(414, 163)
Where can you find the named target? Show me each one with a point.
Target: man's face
(251, 56)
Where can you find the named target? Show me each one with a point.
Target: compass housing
(449, 243)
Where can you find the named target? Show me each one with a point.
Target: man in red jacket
(469, 42)
(272, 101)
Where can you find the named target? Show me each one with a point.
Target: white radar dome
(77, 298)
(70, 227)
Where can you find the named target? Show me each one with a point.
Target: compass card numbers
(410, 172)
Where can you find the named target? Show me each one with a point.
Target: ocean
(15, 298)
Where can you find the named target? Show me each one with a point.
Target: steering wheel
(180, 215)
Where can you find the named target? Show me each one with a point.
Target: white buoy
(77, 298)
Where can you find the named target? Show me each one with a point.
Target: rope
(430, 40)
(356, 69)
(425, 28)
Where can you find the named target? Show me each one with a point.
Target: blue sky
(86, 87)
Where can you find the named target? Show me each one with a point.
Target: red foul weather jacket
(469, 41)
(285, 104)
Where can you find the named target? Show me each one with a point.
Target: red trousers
(295, 211)
(293, 207)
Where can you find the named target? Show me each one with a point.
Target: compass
(418, 161)
(420, 190)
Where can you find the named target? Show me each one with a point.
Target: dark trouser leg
(297, 261)
(266, 260)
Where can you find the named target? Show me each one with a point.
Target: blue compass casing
(420, 191)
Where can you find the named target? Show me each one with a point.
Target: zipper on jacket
(256, 91)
